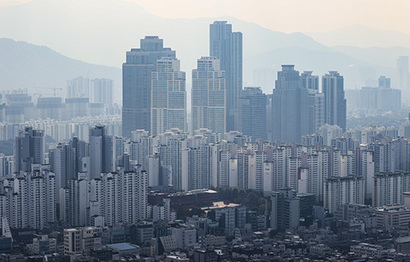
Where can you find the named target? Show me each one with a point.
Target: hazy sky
(293, 15)
(288, 15)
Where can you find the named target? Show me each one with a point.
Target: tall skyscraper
(81, 152)
(227, 46)
(309, 81)
(101, 152)
(136, 83)
(290, 112)
(63, 164)
(97, 90)
(403, 76)
(101, 91)
(168, 104)
(316, 101)
(252, 113)
(208, 96)
(78, 87)
(335, 102)
(28, 149)
(384, 82)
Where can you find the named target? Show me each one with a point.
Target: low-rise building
(81, 240)
(393, 217)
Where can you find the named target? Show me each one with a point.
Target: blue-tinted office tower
(28, 149)
(136, 83)
(227, 46)
(290, 107)
(309, 81)
(384, 82)
(316, 101)
(335, 102)
(101, 150)
(252, 113)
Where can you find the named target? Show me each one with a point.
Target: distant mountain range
(40, 69)
(101, 31)
(362, 36)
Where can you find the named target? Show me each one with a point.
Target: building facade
(209, 96)
(335, 102)
(168, 97)
(136, 83)
(227, 46)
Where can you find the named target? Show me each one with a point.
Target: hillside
(24, 65)
(101, 31)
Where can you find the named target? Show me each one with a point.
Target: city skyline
(199, 164)
(266, 48)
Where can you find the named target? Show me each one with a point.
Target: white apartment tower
(121, 196)
(389, 188)
(168, 97)
(208, 96)
(343, 190)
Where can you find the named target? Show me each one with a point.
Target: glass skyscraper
(335, 102)
(290, 107)
(136, 83)
(227, 46)
(252, 113)
(208, 96)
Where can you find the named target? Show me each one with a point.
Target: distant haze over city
(204, 130)
(360, 42)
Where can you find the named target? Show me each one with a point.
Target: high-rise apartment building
(389, 188)
(209, 96)
(316, 101)
(136, 83)
(101, 152)
(403, 76)
(384, 82)
(29, 198)
(78, 87)
(168, 97)
(99, 90)
(309, 81)
(200, 165)
(343, 190)
(252, 113)
(172, 155)
(77, 204)
(335, 102)
(227, 46)
(28, 149)
(62, 162)
(121, 196)
(102, 91)
(290, 107)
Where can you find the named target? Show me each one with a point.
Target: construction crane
(53, 88)
(56, 88)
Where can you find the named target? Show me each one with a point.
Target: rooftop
(123, 246)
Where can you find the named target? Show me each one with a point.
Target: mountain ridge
(362, 36)
(101, 32)
(38, 68)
